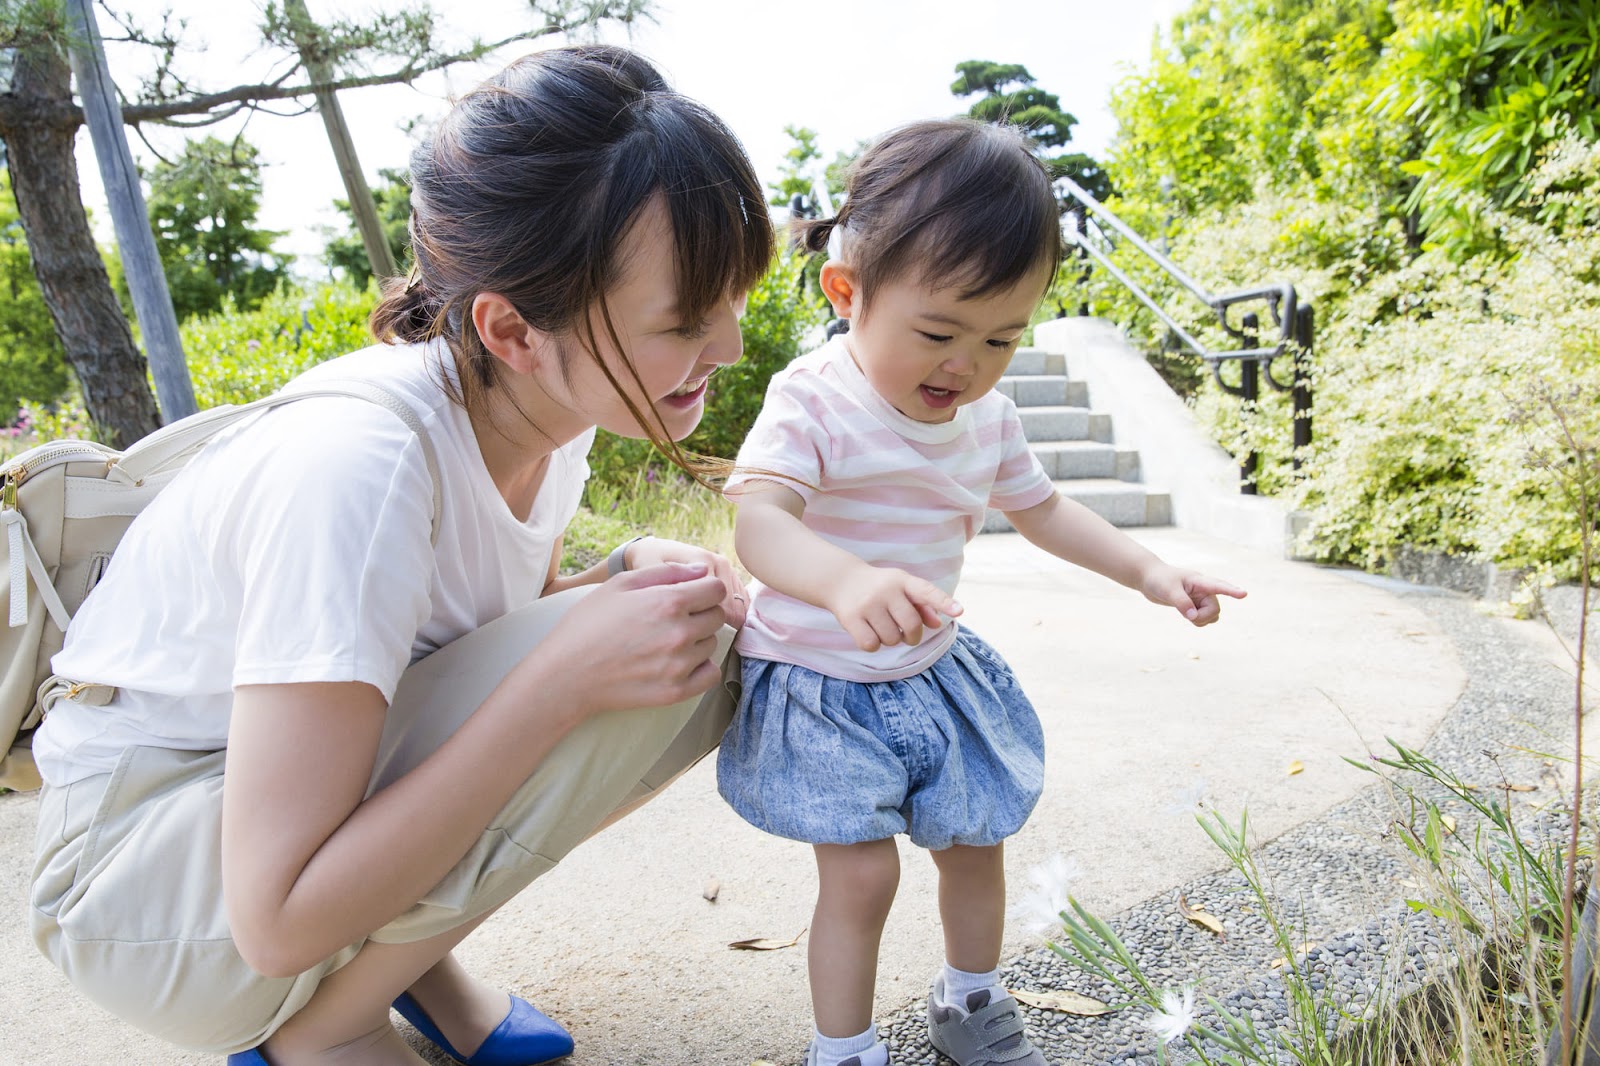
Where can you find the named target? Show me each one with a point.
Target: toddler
(867, 710)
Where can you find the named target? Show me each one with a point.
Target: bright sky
(759, 64)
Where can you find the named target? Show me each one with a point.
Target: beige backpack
(64, 507)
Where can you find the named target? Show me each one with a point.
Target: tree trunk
(37, 129)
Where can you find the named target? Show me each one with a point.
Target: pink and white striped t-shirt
(889, 489)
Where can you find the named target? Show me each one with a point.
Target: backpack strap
(172, 444)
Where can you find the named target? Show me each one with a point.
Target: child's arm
(876, 605)
(1068, 530)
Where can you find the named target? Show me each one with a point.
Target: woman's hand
(1193, 594)
(881, 606)
(653, 550)
(645, 638)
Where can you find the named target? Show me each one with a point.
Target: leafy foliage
(31, 361)
(1009, 96)
(203, 207)
(346, 252)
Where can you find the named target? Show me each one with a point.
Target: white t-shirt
(296, 547)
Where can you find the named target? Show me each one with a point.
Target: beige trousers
(127, 884)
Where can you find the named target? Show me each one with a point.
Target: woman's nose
(724, 344)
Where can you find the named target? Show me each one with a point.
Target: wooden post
(362, 206)
(158, 324)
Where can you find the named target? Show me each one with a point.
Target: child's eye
(1012, 343)
(936, 338)
(694, 332)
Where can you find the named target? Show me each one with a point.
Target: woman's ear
(838, 283)
(506, 334)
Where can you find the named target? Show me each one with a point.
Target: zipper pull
(8, 494)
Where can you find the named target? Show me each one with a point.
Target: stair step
(1070, 459)
(1063, 422)
(1025, 361)
(1119, 502)
(1043, 390)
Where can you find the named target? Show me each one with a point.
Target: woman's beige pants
(127, 886)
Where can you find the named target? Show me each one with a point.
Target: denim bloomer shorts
(953, 755)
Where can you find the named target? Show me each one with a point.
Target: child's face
(929, 351)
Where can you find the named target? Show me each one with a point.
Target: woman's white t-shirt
(296, 547)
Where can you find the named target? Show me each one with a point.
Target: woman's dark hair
(953, 203)
(528, 188)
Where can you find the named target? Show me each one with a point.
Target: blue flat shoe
(525, 1038)
(253, 1057)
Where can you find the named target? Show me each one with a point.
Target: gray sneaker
(853, 1060)
(985, 1034)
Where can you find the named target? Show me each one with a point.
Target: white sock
(958, 984)
(830, 1051)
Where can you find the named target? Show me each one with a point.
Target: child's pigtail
(812, 234)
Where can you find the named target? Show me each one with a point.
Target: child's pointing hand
(1193, 594)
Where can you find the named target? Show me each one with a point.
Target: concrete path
(1139, 710)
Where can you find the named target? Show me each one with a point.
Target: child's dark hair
(528, 188)
(956, 203)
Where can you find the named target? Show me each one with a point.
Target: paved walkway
(1139, 708)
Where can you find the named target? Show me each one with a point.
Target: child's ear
(838, 282)
(505, 333)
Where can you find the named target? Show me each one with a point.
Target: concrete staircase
(1075, 444)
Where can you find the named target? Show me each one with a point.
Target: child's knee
(866, 873)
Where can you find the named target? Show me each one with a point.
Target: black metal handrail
(1293, 319)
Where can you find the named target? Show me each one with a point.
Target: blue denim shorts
(953, 755)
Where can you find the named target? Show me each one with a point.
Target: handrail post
(1250, 390)
(1304, 338)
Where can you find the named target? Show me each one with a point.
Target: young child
(866, 710)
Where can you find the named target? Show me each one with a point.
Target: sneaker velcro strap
(993, 1035)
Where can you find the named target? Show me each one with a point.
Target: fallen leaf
(1150, 669)
(1194, 655)
(1415, 633)
(1065, 1002)
(713, 886)
(1449, 823)
(1296, 767)
(1522, 788)
(1299, 950)
(1199, 917)
(766, 943)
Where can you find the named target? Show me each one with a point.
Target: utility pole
(158, 325)
(344, 150)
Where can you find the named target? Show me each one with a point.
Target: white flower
(1175, 1015)
(1188, 800)
(1040, 909)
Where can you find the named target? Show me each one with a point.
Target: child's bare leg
(346, 1021)
(857, 883)
(972, 905)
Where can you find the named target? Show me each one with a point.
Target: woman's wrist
(618, 560)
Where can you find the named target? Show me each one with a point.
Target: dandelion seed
(1041, 907)
(1175, 1016)
(1187, 800)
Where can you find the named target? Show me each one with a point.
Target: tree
(1011, 97)
(31, 366)
(346, 251)
(38, 121)
(203, 207)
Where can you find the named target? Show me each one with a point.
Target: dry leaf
(1194, 655)
(713, 886)
(1522, 788)
(1299, 950)
(1199, 917)
(1449, 823)
(766, 943)
(1065, 1002)
(1296, 767)
(1414, 633)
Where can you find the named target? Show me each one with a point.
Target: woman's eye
(936, 338)
(694, 332)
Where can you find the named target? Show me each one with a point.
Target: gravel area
(1340, 881)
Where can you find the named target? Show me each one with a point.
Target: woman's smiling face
(673, 357)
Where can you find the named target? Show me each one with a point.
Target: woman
(314, 726)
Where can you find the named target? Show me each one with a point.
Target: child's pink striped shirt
(884, 487)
